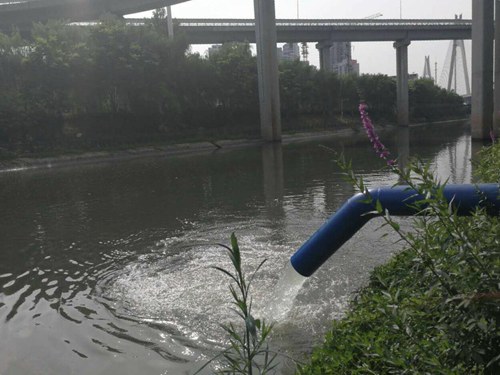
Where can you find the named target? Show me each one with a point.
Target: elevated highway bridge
(24, 12)
(207, 31)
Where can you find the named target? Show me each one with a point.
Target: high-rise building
(341, 52)
(214, 49)
(290, 52)
(341, 57)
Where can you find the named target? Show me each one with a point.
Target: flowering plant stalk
(378, 146)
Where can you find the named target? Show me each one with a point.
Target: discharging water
(283, 294)
(107, 269)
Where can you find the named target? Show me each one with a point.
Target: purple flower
(379, 148)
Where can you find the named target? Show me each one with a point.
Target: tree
(298, 87)
(379, 92)
(236, 72)
(429, 102)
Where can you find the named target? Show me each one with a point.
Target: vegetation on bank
(435, 308)
(113, 85)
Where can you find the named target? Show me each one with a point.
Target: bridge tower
(458, 45)
(452, 71)
(455, 67)
(427, 68)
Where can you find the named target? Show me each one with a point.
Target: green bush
(488, 167)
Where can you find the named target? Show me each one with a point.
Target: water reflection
(273, 186)
(272, 166)
(452, 162)
(403, 147)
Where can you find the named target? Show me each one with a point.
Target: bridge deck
(314, 30)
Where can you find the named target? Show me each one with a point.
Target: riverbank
(181, 149)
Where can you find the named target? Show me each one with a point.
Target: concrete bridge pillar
(325, 55)
(267, 68)
(170, 24)
(482, 68)
(496, 105)
(403, 106)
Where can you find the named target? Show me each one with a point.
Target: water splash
(284, 294)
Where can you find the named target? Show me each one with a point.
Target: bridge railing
(325, 22)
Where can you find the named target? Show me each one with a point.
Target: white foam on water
(174, 288)
(183, 291)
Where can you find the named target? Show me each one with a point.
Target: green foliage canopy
(111, 83)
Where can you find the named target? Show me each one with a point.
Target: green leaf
(236, 252)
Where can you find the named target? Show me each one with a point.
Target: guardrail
(325, 22)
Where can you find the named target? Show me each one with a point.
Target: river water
(106, 269)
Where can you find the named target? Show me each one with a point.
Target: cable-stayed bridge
(455, 74)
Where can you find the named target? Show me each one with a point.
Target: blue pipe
(398, 201)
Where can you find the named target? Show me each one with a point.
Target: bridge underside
(22, 15)
(210, 35)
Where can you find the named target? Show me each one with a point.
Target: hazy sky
(372, 57)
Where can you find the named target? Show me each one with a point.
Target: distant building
(346, 67)
(290, 52)
(214, 49)
(279, 52)
(340, 52)
(411, 77)
(354, 65)
(341, 57)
